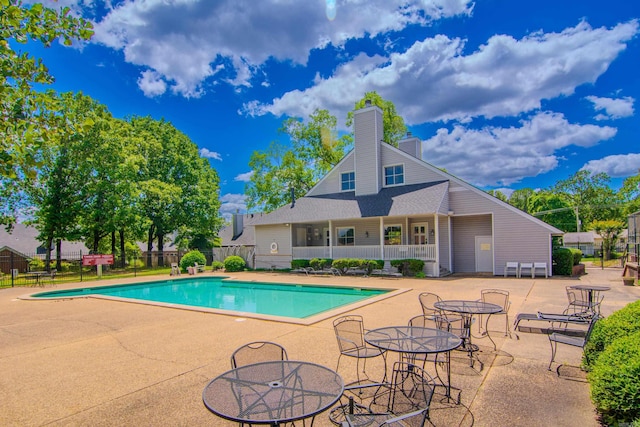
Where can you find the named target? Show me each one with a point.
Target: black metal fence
(18, 269)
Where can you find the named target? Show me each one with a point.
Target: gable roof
(23, 239)
(415, 199)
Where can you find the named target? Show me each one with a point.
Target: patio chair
(560, 334)
(175, 269)
(426, 301)
(257, 351)
(526, 266)
(403, 401)
(349, 332)
(579, 302)
(512, 267)
(498, 297)
(540, 266)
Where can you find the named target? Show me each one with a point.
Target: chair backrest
(426, 301)
(258, 351)
(422, 321)
(349, 332)
(496, 296)
(512, 264)
(411, 390)
(594, 319)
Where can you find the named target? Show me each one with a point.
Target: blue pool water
(295, 301)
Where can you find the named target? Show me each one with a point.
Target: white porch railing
(423, 252)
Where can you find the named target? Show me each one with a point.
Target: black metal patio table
(412, 340)
(593, 295)
(273, 392)
(467, 309)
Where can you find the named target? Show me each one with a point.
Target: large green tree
(294, 168)
(394, 127)
(27, 116)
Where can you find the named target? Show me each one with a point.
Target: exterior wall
(415, 171)
(464, 230)
(516, 238)
(443, 233)
(331, 183)
(368, 132)
(265, 236)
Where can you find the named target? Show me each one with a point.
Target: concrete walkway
(90, 362)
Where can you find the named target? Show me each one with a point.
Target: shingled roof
(415, 199)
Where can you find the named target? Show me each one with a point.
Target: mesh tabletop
(413, 339)
(467, 307)
(592, 287)
(273, 392)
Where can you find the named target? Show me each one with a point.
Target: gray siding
(465, 229)
(368, 132)
(517, 237)
(415, 170)
(265, 236)
(331, 183)
(443, 231)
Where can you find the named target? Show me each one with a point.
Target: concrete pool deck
(99, 363)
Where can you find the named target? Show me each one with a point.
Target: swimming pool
(269, 299)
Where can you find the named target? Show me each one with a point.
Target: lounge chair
(561, 335)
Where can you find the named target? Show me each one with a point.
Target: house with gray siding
(382, 202)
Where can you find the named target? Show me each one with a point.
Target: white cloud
(232, 203)
(435, 80)
(613, 108)
(152, 84)
(244, 177)
(204, 152)
(181, 39)
(616, 166)
(501, 156)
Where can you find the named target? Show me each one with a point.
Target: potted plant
(629, 280)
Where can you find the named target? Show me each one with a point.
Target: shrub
(408, 266)
(343, 264)
(36, 264)
(615, 381)
(217, 265)
(234, 263)
(191, 258)
(320, 263)
(577, 255)
(372, 264)
(299, 263)
(625, 321)
(562, 262)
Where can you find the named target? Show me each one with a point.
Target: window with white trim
(345, 236)
(393, 175)
(348, 181)
(393, 235)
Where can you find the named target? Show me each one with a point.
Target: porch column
(382, 239)
(330, 239)
(436, 221)
(450, 244)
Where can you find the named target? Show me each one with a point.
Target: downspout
(381, 240)
(330, 239)
(450, 245)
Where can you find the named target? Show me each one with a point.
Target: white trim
(384, 176)
(340, 190)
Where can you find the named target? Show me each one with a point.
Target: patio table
(467, 309)
(413, 340)
(593, 295)
(273, 392)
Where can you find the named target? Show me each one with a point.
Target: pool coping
(241, 315)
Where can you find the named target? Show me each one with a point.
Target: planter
(577, 270)
(629, 280)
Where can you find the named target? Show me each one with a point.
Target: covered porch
(375, 238)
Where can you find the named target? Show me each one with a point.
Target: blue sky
(504, 94)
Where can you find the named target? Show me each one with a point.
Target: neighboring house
(584, 240)
(238, 238)
(382, 202)
(21, 245)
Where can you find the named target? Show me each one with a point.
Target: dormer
(368, 134)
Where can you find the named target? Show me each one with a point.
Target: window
(393, 235)
(348, 181)
(393, 175)
(345, 236)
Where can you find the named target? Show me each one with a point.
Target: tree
(630, 194)
(592, 195)
(498, 195)
(394, 127)
(609, 230)
(520, 198)
(553, 209)
(27, 116)
(282, 170)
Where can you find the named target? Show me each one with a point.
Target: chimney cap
(367, 103)
(409, 134)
